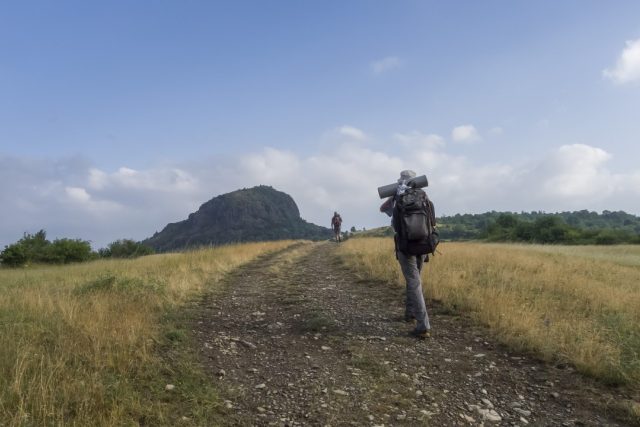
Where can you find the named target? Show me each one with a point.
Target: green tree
(31, 248)
(524, 231)
(550, 229)
(13, 255)
(503, 228)
(125, 248)
(35, 248)
(64, 251)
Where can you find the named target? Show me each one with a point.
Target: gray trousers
(411, 266)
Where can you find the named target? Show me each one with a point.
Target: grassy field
(576, 304)
(81, 344)
(619, 254)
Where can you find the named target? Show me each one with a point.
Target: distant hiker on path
(411, 258)
(336, 223)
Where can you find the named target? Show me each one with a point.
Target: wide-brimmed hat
(406, 175)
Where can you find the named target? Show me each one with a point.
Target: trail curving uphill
(296, 339)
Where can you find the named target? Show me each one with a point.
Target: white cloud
(79, 198)
(575, 172)
(97, 179)
(271, 165)
(322, 182)
(465, 133)
(418, 139)
(385, 64)
(77, 194)
(169, 179)
(627, 68)
(352, 132)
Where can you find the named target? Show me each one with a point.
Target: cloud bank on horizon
(71, 197)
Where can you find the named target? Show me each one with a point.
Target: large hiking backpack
(414, 222)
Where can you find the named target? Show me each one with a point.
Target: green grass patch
(317, 322)
(369, 364)
(626, 410)
(193, 400)
(109, 282)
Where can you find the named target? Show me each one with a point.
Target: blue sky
(118, 117)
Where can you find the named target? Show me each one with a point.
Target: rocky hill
(247, 215)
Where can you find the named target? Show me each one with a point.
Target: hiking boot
(420, 334)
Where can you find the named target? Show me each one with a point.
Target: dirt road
(296, 339)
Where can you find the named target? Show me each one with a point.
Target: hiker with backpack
(413, 220)
(336, 224)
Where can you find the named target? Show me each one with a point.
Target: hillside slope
(248, 215)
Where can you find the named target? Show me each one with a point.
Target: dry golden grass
(288, 259)
(77, 342)
(618, 254)
(580, 304)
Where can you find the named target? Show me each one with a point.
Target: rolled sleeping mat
(390, 190)
(419, 181)
(387, 190)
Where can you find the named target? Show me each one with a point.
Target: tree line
(580, 227)
(37, 249)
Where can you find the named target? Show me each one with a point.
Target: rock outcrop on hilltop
(248, 215)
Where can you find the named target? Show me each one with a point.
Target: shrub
(35, 248)
(13, 255)
(64, 251)
(34, 245)
(125, 248)
(550, 229)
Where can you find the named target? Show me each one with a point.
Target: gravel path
(296, 339)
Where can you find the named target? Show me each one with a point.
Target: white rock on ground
(489, 415)
(487, 403)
